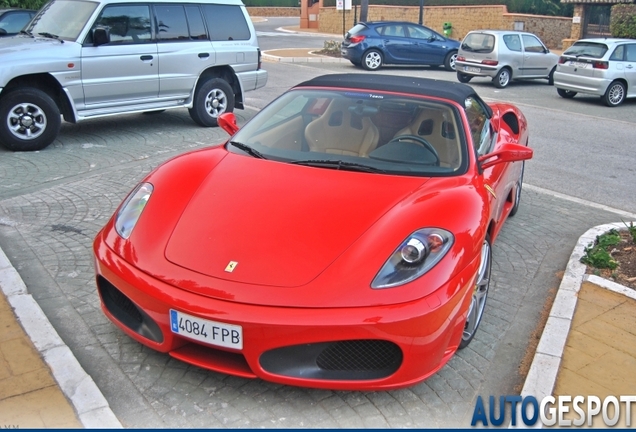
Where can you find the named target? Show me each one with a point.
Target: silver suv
(503, 56)
(92, 58)
(602, 67)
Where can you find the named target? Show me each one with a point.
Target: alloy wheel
(26, 121)
(479, 296)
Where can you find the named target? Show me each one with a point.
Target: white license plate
(210, 332)
(581, 65)
(472, 69)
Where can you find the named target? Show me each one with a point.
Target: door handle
(146, 57)
(629, 67)
(204, 55)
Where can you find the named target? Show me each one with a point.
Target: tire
(502, 79)
(29, 120)
(551, 76)
(372, 60)
(449, 61)
(566, 94)
(463, 78)
(518, 188)
(479, 295)
(211, 99)
(614, 95)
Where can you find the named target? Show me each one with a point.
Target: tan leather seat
(339, 131)
(438, 128)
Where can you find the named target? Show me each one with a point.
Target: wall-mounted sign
(576, 20)
(343, 3)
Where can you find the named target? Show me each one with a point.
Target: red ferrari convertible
(341, 239)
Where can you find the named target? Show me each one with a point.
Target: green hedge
(26, 4)
(535, 7)
(623, 21)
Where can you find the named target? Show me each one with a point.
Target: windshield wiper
(51, 35)
(338, 164)
(247, 149)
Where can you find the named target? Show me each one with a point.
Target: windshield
(63, 19)
(587, 49)
(357, 131)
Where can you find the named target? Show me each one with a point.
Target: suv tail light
(600, 65)
(490, 62)
(357, 39)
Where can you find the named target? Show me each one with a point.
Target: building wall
(273, 11)
(552, 30)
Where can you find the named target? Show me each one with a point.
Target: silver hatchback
(603, 67)
(503, 56)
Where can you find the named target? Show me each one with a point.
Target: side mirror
(227, 121)
(101, 36)
(2, 32)
(508, 153)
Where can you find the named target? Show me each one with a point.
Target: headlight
(414, 257)
(129, 213)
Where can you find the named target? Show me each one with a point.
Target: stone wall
(273, 11)
(552, 30)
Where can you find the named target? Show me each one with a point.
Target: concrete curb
(324, 59)
(543, 372)
(79, 388)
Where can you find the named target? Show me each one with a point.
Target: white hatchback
(603, 67)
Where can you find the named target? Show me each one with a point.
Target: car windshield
(61, 19)
(372, 132)
(587, 49)
(478, 42)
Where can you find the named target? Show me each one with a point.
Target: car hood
(249, 223)
(34, 49)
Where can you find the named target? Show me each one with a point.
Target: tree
(25, 4)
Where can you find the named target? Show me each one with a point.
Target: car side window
(195, 22)
(512, 42)
(618, 54)
(226, 22)
(171, 22)
(479, 125)
(14, 22)
(127, 24)
(631, 52)
(419, 32)
(532, 44)
(392, 30)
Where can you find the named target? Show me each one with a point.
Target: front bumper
(581, 84)
(394, 346)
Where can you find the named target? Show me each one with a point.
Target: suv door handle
(146, 57)
(204, 55)
(629, 66)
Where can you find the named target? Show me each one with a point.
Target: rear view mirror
(508, 153)
(227, 121)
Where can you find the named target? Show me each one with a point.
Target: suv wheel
(211, 99)
(372, 60)
(449, 61)
(29, 120)
(615, 94)
(502, 79)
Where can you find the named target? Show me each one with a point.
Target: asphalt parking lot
(53, 202)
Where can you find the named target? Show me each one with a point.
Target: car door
(630, 68)
(183, 47)
(425, 47)
(124, 69)
(395, 42)
(536, 62)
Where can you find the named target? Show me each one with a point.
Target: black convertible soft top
(419, 86)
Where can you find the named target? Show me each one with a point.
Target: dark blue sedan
(373, 44)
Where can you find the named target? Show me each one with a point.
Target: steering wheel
(418, 140)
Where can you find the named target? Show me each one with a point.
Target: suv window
(128, 24)
(631, 52)
(195, 21)
(512, 42)
(171, 23)
(479, 42)
(532, 44)
(55, 19)
(226, 22)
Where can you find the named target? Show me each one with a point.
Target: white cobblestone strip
(79, 388)
(543, 372)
